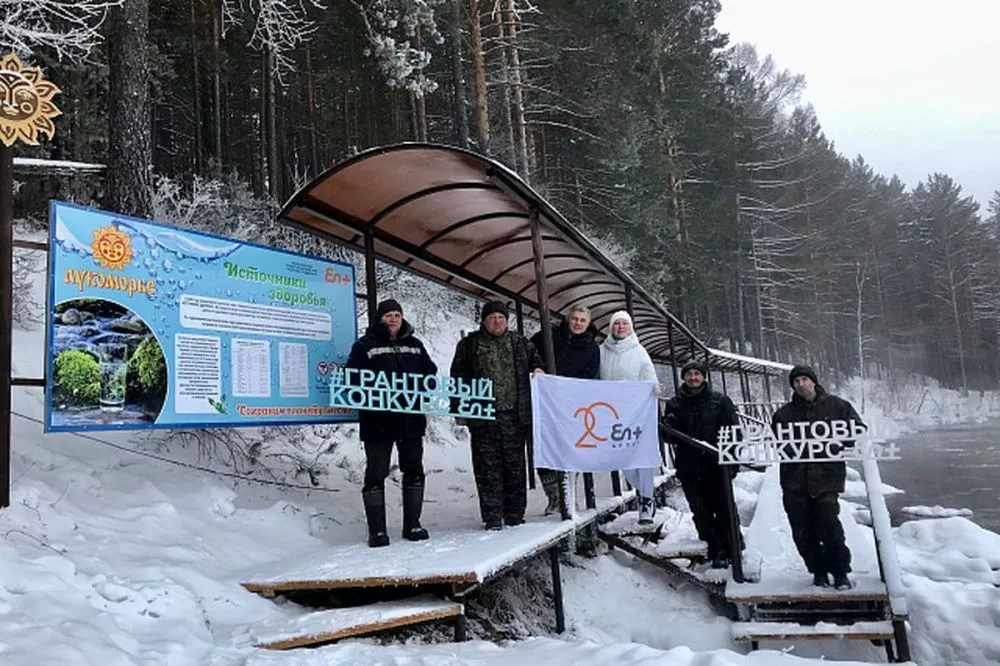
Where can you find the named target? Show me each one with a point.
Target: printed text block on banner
(151, 326)
(589, 425)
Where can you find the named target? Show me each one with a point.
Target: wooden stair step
(800, 589)
(681, 549)
(333, 624)
(776, 631)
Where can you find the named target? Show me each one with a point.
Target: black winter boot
(375, 513)
(842, 582)
(821, 579)
(413, 502)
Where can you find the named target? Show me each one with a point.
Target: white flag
(590, 425)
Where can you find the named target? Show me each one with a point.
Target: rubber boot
(552, 493)
(413, 502)
(375, 513)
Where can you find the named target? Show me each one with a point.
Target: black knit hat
(693, 364)
(388, 305)
(494, 307)
(801, 371)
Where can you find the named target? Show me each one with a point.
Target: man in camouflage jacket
(498, 446)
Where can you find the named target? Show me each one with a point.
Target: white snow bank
(532, 652)
(951, 571)
(936, 511)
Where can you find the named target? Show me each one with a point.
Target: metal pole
(543, 291)
(744, 389)
(708, 365)
(557, 589)
(628, 299)
(767, 388)
(370, 286)
(588, 490)
(542, 288)
(461, 623)
(902, 642)
(673, 360)
(724, 381)
(734, 524)
(519, 315)
(6, 311)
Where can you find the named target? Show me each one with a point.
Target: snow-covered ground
(126, 548)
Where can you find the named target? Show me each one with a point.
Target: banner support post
(6, 312)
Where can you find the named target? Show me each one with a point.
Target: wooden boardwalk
(457, 556)
(460, 559)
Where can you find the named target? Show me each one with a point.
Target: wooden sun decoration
(26, 107)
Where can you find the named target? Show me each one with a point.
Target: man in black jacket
(498, 460)
(577, 354)
(390, 346)
(810, 490)
(699, 412)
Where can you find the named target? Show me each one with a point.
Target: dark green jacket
(526, 359)
(818, 477)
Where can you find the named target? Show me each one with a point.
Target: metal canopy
(730, 362)
(462, 220)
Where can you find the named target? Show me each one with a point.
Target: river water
(955, 466)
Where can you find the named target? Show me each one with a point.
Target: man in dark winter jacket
(390, 346)
(498, 460)
(577, 354)
(810, 490)
(699, 412)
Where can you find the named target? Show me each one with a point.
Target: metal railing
(762, 411)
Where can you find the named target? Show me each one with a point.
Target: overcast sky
(912, 85)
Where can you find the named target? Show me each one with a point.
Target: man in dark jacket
(577, 354)
(498, 460)
(390, 346)
(810, 490)
(699, 412)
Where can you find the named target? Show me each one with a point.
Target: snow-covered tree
(279, 27)
(70, 28)
(397, 32)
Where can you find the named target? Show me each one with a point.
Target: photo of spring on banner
(816, 441)
(410, 393)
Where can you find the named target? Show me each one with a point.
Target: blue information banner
(151, 326)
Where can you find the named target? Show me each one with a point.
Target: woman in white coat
(624, 359)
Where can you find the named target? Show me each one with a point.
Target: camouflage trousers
(498, 463)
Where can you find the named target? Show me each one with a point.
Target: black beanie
(693, 364)
(494, 307)
(388, 305)
(801, 371)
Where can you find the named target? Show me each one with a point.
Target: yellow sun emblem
(112, 248)
(26, 106)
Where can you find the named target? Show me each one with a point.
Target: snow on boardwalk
(449, 556)
(329, 625)
(783, 574)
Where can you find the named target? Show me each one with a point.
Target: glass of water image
(113, 358)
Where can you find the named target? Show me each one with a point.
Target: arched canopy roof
(728, 361)
(462, 220)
